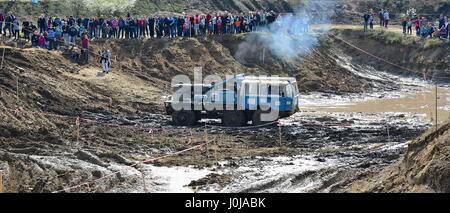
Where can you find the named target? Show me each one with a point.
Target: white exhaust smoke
(290, 35)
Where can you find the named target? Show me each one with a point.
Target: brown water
(420, 102)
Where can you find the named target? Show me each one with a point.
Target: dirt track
(44, 154)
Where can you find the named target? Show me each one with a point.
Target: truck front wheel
(184, 118)
(234, 118)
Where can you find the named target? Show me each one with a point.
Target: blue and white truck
(237, 101)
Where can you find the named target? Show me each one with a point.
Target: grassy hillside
(68, 7)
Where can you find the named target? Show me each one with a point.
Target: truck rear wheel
(256, 118)
(234, 118)
(184, 118)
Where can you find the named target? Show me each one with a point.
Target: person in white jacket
(105, 60)
(386, 19)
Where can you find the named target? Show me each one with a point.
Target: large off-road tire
(256, 118)
(184, 118)
(234, 118)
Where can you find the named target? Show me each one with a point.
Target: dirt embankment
(164, 58)
(424, 168)
(417, 56)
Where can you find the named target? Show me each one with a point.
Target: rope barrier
(370, 54)
(425, 75)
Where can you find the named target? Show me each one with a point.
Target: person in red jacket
(142, 23)
(85, 50)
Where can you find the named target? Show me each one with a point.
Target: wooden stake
(17, 89)
(216, 143)
(279, 131)
(263, 55)
(143, 180)
(436, 106)
(205, 141)
(3, 58)
(387, 127)
(1, 181)
(78, 136)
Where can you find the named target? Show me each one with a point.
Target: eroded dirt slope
(424, 168)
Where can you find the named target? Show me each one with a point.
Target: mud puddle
(408, 95)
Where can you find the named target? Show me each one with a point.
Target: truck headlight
(288, 103)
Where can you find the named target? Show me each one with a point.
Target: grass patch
(432, 42)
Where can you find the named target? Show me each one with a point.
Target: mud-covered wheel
(234, 118)
(256, 118)
(184, 118)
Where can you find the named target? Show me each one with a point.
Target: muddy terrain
(66, 124)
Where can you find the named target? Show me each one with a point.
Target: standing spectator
(366, 17)
(219, 25)
(423, 25)
(85, 50)
(447, 28)
(51, 37)
(174, 26)
(15, 29)
(202, 25)
(73, 32)
(405, 25)
(151, 26)
(371, 19)
(159, 27)
(8, 21)
(2, 19)
(142, 23)
(417, 25)
(134, 24)
(442, 20)
(381, 17)
(214, 23)
(167, 26)
(127, 28)
(96, 28)
(58, 32)
(196, 25)
(386, 19)
(42, 23)
(105, 60)
(114, 26)
(237, 25)
(409, 27)
(229, 24)
(121, 28)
